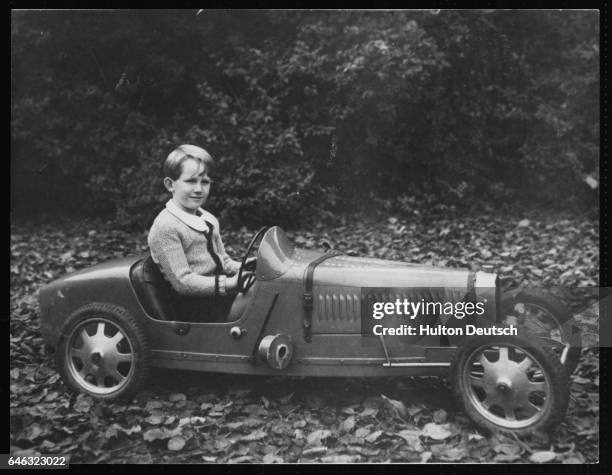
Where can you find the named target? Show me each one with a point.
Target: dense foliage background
(305, 112)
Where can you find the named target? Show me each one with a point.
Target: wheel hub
(504, 385)
(96, 357)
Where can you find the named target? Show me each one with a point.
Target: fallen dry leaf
(176, 443)
(436, 431)
(397, 407)
(543, 457)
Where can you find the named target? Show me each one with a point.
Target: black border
(605, 247)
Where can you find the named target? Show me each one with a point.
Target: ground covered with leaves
(188, 417)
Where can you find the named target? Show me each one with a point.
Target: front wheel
(543, 315)
(510, 383)
(103, 352)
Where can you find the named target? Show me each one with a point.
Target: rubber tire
(546, 358)
(128, 325)
(551, 304)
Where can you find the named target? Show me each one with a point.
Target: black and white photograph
(304, 237)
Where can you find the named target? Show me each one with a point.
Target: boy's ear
(168, 183)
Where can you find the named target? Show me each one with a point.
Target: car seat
(162, 302)
(155, 293)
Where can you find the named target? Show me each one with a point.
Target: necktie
(209, 245)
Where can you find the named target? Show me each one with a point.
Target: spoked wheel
(542, 315)
(103, 352)
(510, 383)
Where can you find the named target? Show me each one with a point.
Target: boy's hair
(173, 165)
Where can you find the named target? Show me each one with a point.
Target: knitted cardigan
(178, 246)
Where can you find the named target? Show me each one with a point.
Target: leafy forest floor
(189, 417)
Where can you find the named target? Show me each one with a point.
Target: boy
(184, 239)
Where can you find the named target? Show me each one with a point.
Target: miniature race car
(308, 313)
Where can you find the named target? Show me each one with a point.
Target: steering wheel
(246, 280)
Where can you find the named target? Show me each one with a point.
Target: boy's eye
(193, 180)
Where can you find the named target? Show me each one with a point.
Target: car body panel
(108, 282)
(343, 288)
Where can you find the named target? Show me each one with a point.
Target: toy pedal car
(308, 313)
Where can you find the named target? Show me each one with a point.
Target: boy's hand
(231, 283)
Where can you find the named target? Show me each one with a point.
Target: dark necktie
(209, 245)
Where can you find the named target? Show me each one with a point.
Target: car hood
(368, 272)
(278, 258)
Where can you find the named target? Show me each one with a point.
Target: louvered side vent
(339, 307)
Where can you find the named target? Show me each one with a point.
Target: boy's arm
(167, 251)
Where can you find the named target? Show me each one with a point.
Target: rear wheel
(103, 352)
(510, 383)
(543, 315)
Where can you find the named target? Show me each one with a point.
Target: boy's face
(190, 190)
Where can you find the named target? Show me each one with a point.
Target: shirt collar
(192, 220)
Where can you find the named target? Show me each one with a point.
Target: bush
(304, 112)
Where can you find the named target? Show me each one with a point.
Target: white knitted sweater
(178, 245)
